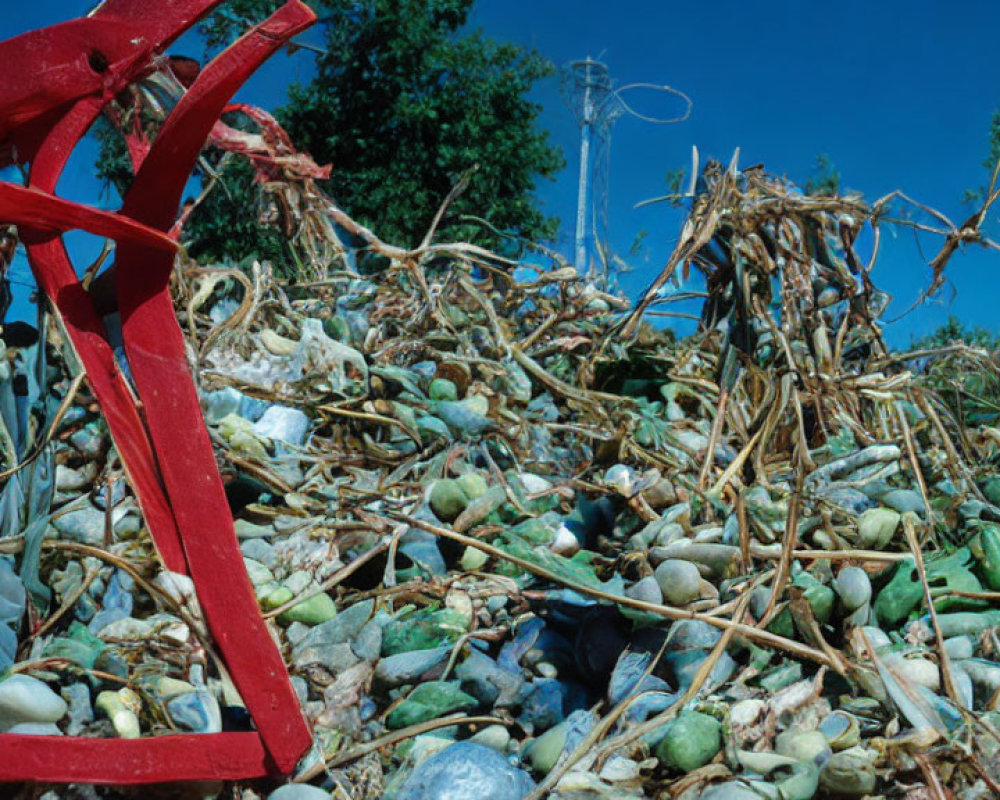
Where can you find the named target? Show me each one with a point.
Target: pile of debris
(515, 542)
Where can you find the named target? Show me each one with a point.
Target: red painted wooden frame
(56, 82)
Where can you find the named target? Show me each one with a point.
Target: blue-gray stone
(685, 665)
(692, 634)
(117, 495)
(117, 604)
(407, 667)
(285, 424)
(847, 499)
(8, 647)
(342, 628)
(460, 419)
(543, 707)
(259, 550)
(12, 602)
(627, 677)
(221, 403)
(423, 552)
(489, 682)
(903, 500)
(527, 634)
(368, 643)
(36, 729)
(644, 706)
(84, 524)
(197, 712)
(466, 771)
(578, 725)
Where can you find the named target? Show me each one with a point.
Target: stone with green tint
(819, 596)
(991, 489)
(782, 624)
(903, 500)
(544, 752)
(534, 530)
(986, 549)
(78, 645)
(316, 610)
(278, 597)
(692, 740)
(429, 701)
(448, 499)
(336, 327)
(422, 630)
(876, 527)
(849, 773)
(472, 559)
(947, 575)
(473, 484)
(801, 784)
(902, 594)
(442, 389)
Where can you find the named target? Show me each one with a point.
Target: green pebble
(314, 611)
(802, 784)
(544, 752)
(986, 549)
(448, 499)
(691, 742)
(429, 701)
(336, 328)
(278, 597)
(782, 624)
(819, 596)
(442, 389)
(472, 559)
(848, 773)
(473, 484)
(876, 527)
(422, 630)
(991, 489)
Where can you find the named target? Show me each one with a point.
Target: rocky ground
(515, 542)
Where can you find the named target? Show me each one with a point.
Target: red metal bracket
(59, 79)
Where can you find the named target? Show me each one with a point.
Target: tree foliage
(402, 108)
(954, 331)
(967, 381)
(226, 225)
(825, 180)
(403, 104)
(977, 195)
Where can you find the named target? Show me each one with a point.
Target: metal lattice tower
(591, 89)
(596, 103)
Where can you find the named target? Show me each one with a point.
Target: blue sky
(899, 94)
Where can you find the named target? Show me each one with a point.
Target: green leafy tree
(952, 332)
(967, 381)
(978, 195)
(403, 104)
(825, 180)
(402, 107)
(226, 225)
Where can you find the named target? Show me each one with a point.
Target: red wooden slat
(50, 68)
(56, 277)
(27, 207)
(162, 759)
(155, 347)
(43, 102)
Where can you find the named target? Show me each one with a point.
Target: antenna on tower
(591, 89)
(596, 103)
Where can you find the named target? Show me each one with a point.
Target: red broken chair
(56, 82)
